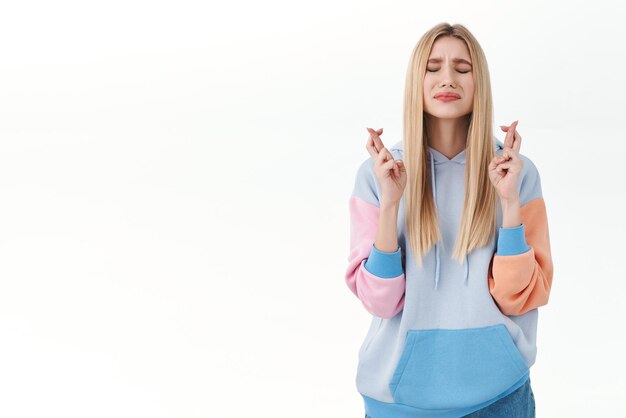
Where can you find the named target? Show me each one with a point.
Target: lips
(447, 95)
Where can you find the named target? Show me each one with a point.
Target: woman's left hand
(505, 170)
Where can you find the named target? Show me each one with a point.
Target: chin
(451, 112)
(447, 115)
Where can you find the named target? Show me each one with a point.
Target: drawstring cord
(438, 262)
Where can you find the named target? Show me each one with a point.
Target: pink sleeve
(382, 295)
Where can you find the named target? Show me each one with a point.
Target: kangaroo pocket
(456, 368)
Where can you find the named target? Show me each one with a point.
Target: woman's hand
(391, 174)
(505, 170)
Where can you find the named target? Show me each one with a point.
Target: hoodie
(448, 338)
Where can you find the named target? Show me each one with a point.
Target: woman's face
(449, 69)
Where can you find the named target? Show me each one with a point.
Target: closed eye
(434, 71)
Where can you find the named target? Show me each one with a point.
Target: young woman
(450, 250)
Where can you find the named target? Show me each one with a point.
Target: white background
(174, 184)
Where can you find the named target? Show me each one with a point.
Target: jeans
(517, 404)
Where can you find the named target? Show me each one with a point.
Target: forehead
(449, 46)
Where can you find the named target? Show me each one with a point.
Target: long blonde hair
(478, 220)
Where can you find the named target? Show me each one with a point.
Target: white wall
(174, 179)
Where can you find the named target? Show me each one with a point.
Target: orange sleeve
(521, 282)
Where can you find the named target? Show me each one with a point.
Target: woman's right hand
(390, 173)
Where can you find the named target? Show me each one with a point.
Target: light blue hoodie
(447, 339)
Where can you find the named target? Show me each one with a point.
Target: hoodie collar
(497, 146)
(440, 158)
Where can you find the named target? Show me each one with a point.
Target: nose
(447, 76)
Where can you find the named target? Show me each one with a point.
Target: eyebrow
(455, 60)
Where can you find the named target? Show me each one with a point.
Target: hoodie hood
(437, 158)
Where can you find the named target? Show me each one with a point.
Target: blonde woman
(449, 248)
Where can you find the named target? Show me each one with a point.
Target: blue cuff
(384, 265)
(512, 241)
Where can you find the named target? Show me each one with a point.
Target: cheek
(471, 88)
(469, 91)
(428, 86)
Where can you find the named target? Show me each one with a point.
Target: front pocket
(456, 368)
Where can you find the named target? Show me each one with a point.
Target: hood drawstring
(438, 262)
(466, 269)
(434, 189)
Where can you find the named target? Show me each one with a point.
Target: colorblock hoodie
(447, 339)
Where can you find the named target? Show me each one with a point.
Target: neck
(448, 136)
